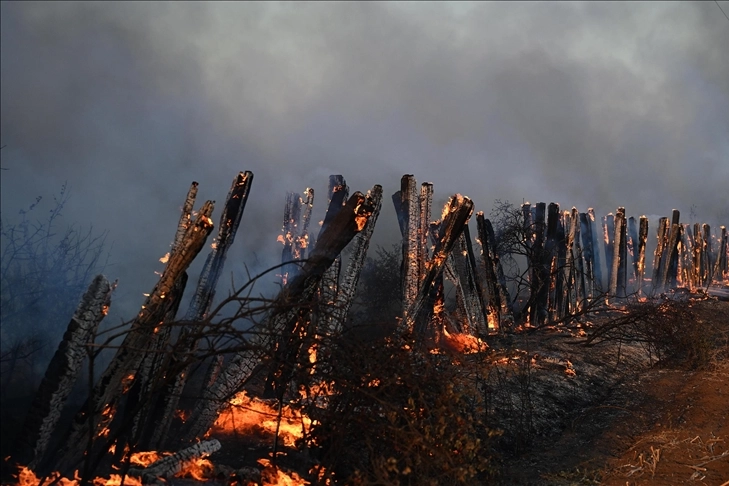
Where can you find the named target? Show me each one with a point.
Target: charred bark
(633, 249)
(455, 216)
(596, 264)
(540, 275)
(111, 386)
(642, 239)
(659, 255)
(274, 347)
(608, 231)
(170, 465)
(360, 245)
(62, 373)
(587, 252)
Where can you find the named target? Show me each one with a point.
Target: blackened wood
(675, 238)
(467, 284)
(411, 241)
(549, 256)
(277, 340)
(563, 269)
(168, 466)
(186, 216)
(642, 240)
(658, 256)
(329, 285)
(608, 235)
(633, 249)
(540, 276)
(360, 244)
(110, 387)
(706, 255)
(492, 284)
(597, 267)
(455, 217)
(586, 234)
(62, 373)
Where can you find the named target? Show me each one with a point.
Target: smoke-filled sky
(600, 104)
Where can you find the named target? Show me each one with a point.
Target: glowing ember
(165, 258)
(246, 415)
(273, 476)
(462, 343)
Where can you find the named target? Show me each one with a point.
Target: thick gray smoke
(588, 104)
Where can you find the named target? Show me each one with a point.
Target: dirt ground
(661, 427)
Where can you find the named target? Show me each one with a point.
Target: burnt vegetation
(434, 361)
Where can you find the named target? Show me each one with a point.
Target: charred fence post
(619, 270)
(410, 207)
(586, 235)
(706, 256)
(549, 259)
(540, 275)
(596, 264)
(187, 343)
(580, 281)
(669, 260)
(659, 255)
(642, 239)
(467, 284)
(489, 258)
(561, 268)
(685, 257)
(360, 243)
(633, 251)
(62, 373)
(114, 382)
(280, 332)
(337, 193)
(608, 230)
(455, 216)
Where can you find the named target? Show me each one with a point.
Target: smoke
(586, 104)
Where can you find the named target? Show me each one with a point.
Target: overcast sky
(586, 104)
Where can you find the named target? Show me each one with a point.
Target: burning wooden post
(619, 260)
(360, 244)
(669, 261)
(411, 247)
(706, 256)
(587, 252)
(697, 251)
(549, 258)
(540, 275)
(685, 257)
(490, 259)
(596, 264)
(202, 300)
(467, 284)
(642, 239)
(115, 380)
(561, 269)
(659, 255)
(608, 230)
(576, 277)
(633, 249)
(62, 373)
(280, 332)
(338, 193)
(455, 217)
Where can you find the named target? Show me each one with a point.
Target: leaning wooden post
(279, 331)
(455, 216)
(360, 244)
(62, 372)
(492, 284)
(202, 300)
(619, 271)
(114, 382)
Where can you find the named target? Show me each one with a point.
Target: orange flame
(273, 476)
(247, 414)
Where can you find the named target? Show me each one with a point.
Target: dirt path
(659, 427)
